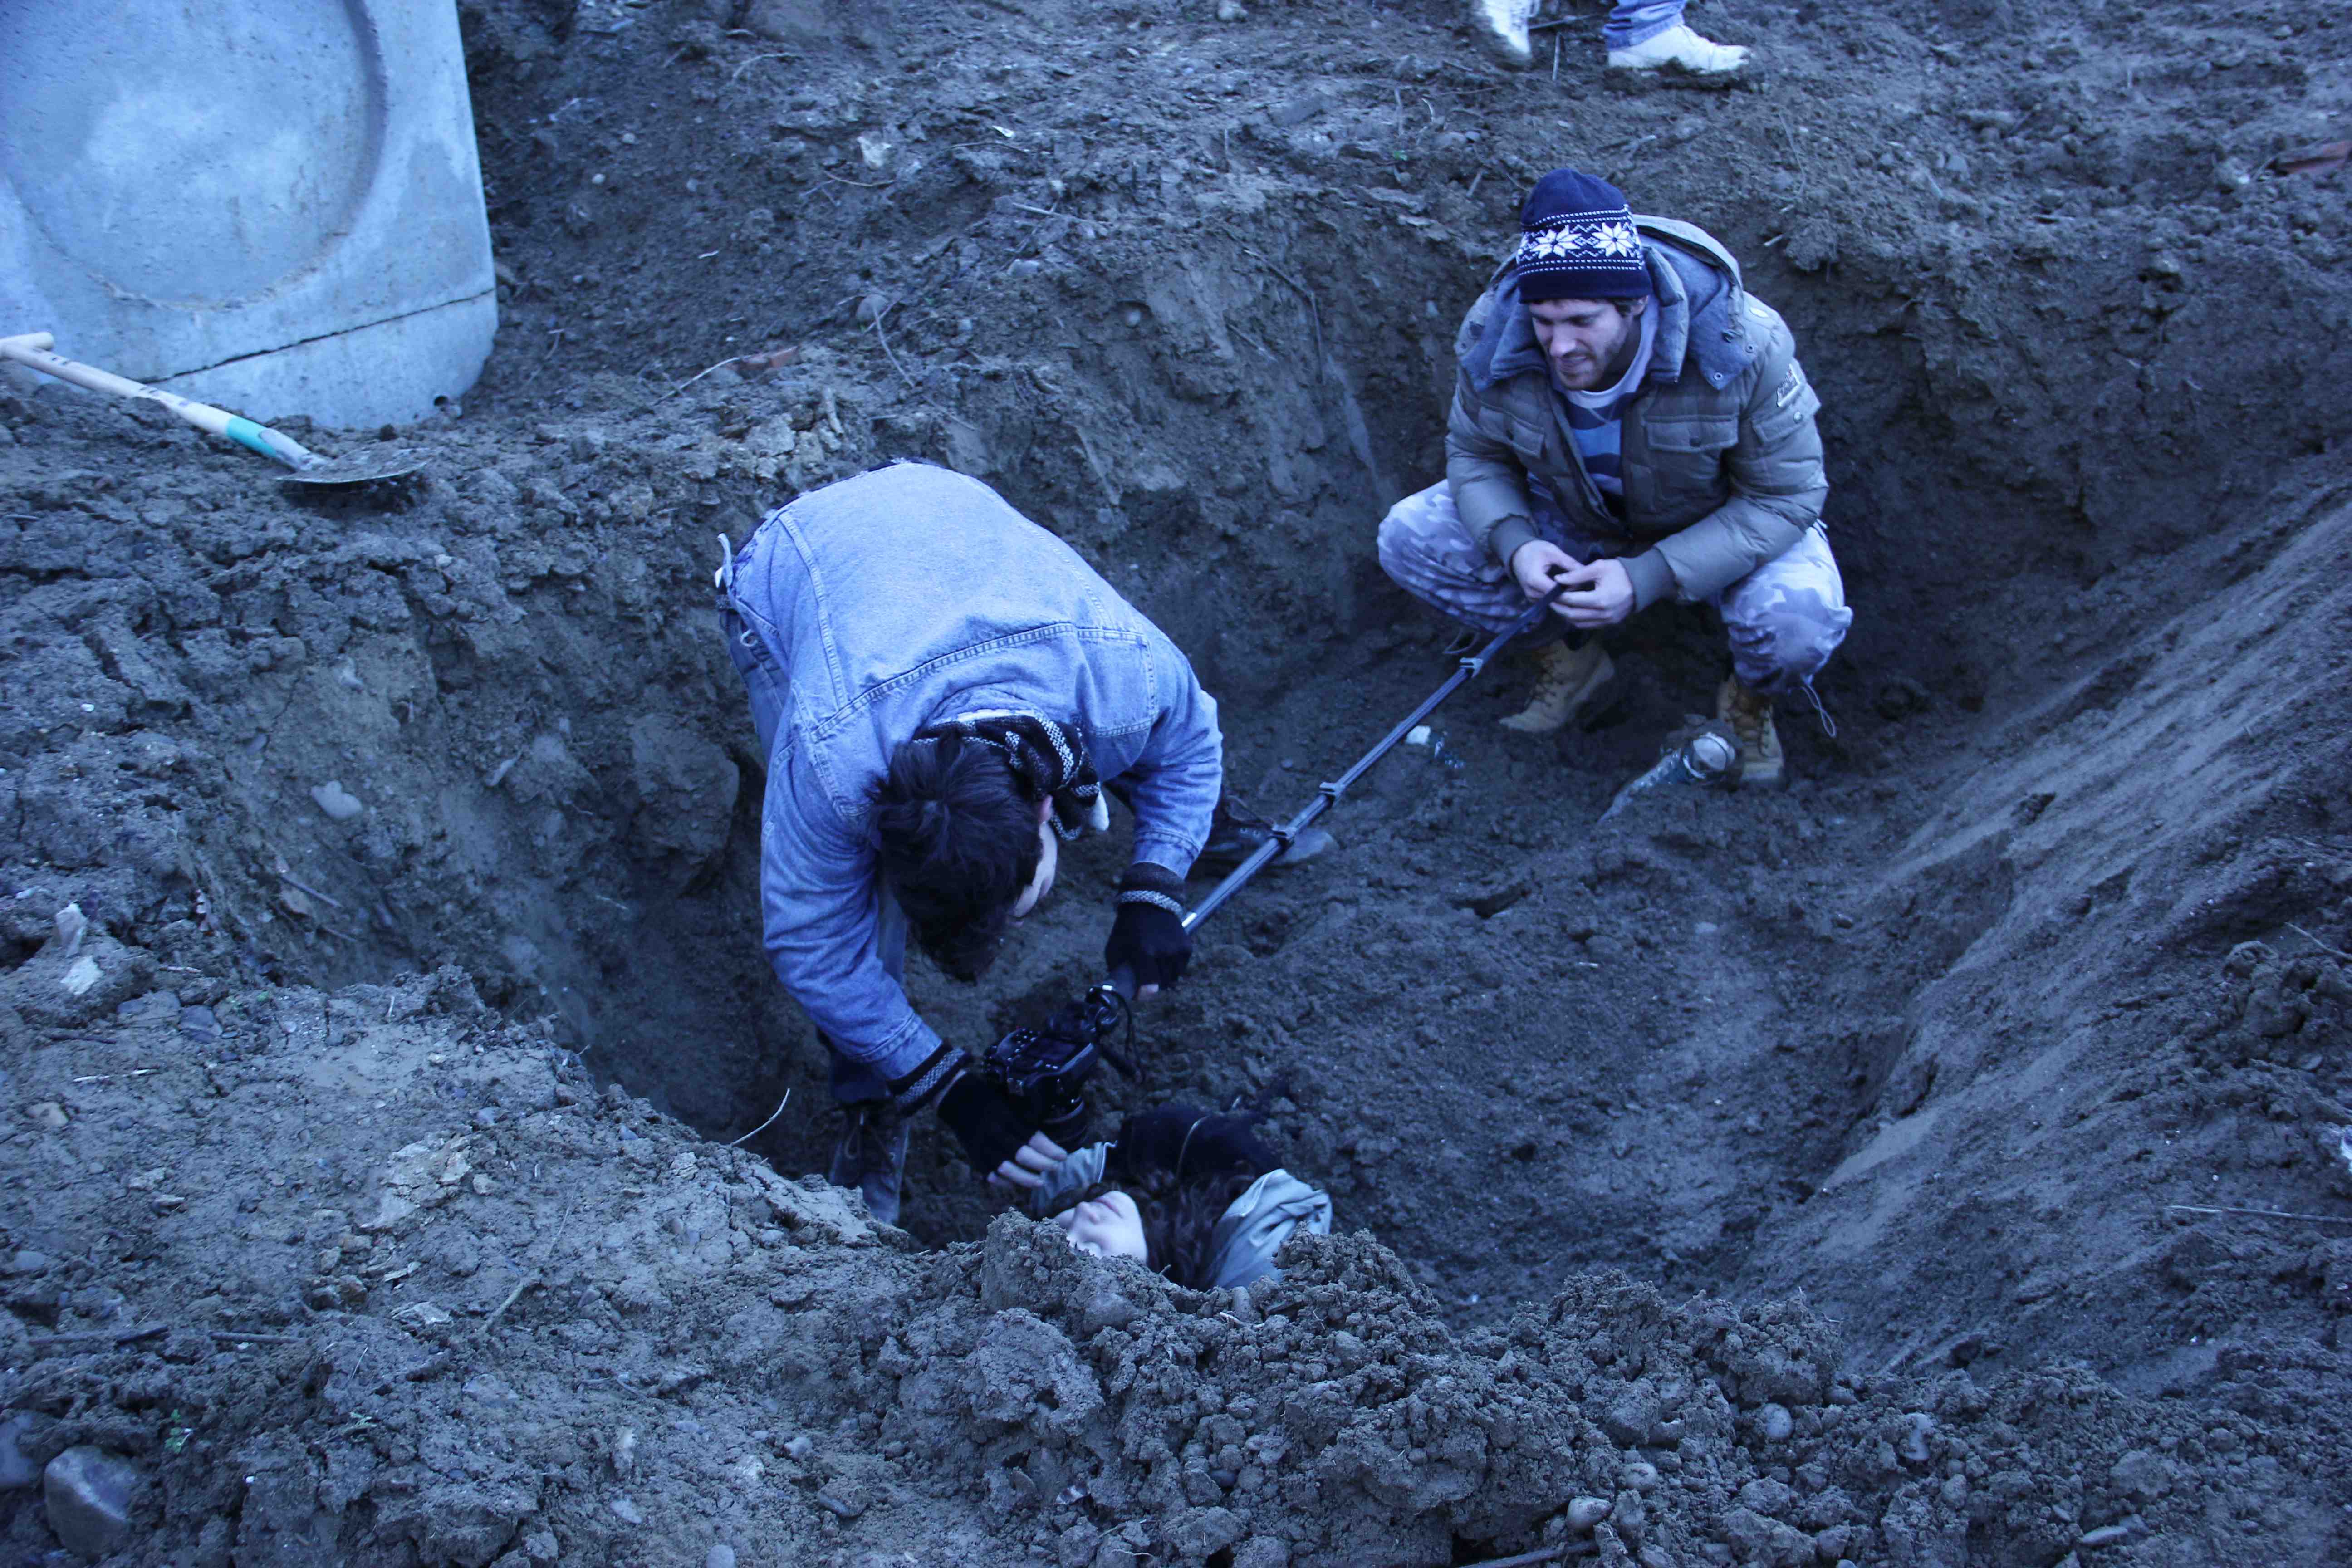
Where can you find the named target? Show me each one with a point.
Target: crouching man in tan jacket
(1629, 421)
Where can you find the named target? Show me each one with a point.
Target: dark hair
(1185, 1165)
(1180, 1225)
(959, 844)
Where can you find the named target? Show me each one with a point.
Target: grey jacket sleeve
(1490, 488)
(1082, 1169)
(1778, 483)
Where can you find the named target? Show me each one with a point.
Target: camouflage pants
(1784, 620)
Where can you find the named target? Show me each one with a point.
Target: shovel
(310, 469)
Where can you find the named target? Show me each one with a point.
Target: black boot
(1237, 831)
(871, 1155)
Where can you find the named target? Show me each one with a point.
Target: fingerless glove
(1148, 938)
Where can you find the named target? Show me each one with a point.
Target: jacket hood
(1694, 281)
(1257, 1223)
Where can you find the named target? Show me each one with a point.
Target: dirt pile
(402, 1285)
(2049, 937)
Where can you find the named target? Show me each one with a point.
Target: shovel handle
(32, 349)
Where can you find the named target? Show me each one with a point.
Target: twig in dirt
(111, 1077)
(690, 380)
(1541, 1554)
(228, 1337)
(734, 1143)
(736, 75)
(886, 346)
(2261, 1214)
(521, 1285)
(302, 887)
(101, 1337)
(1474, 179)
(1041, 212)
(861, 185)
(2331, 952)
(1035, 230)
(1313, 310)
(1556, 38)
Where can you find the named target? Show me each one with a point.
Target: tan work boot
(1749, 714)
(1567, 678)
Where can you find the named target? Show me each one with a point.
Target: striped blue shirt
(1595, 419)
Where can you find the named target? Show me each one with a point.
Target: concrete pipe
(275, 205)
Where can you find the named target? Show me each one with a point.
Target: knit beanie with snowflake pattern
(1576, 241)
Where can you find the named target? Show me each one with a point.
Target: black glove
(1148, 938)
(989, 1125)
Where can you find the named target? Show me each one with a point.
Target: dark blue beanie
(1576, 241)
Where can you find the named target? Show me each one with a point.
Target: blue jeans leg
(764, 686)
(1638, 21)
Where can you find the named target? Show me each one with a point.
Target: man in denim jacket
(944, 689)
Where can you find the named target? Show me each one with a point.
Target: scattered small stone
(80, 975)
(50, 1116)
(88, 1493)
(72, 925)
(1584, 1512)
(719, 1557)
(625, 1510)
(336, 801)
(16, 1472)
(1775, 1422)
(1914, 1446)
(1232, 11)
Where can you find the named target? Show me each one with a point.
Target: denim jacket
(904, 597)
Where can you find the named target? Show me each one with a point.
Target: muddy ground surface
(1788, 1174)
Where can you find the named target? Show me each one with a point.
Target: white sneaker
(1679, 47)
(1501, 26)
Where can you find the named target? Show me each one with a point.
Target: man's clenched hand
(1539, 564)
(1598, 595)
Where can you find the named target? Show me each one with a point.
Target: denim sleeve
(820, 898)
(1181, 770)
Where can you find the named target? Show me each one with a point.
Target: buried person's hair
(958, 845)
(1180, 1225)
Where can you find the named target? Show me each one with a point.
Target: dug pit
(2043, 942)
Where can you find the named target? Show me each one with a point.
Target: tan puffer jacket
(1721, 463)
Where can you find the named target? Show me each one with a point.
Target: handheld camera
(1043, 1069)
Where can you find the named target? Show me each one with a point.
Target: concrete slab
(274, 206)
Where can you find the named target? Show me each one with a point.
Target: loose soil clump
(1859, 1172)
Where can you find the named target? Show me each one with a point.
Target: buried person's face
(1107, 1227)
